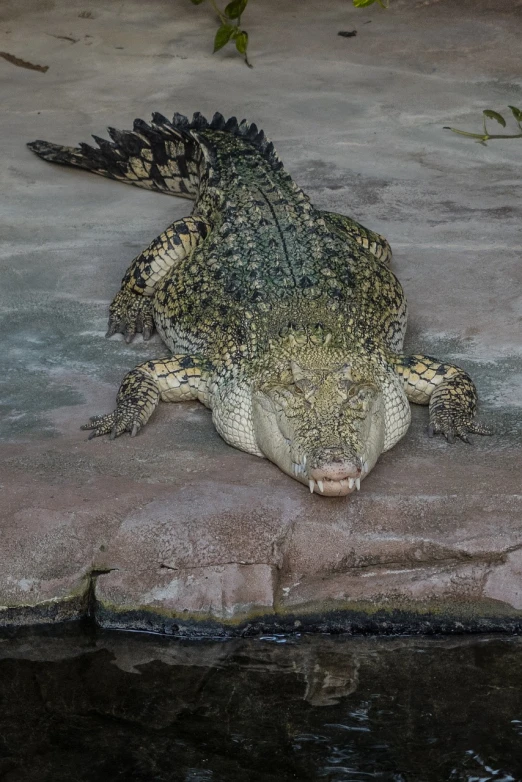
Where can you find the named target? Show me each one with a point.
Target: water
(77, 706)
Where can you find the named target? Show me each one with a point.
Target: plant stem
(222, 18)
(482, 136)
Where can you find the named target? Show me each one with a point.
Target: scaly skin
(286, 321)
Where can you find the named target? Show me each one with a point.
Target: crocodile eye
(360, 397)
(365, 392)
(345, 389)
(303, 386)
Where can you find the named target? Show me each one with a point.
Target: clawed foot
(137, 399)
(130, 313)
(455, 423)
(452, 408)
(125, 418)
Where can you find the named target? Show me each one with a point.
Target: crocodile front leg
(174, 379)
(370, 241)
(449, 391)
(131, 308)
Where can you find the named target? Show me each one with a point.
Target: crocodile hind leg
(449, 391)
(131, 308)
(370, 241)
(174, 379)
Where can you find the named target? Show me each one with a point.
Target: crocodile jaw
(328, 479)
(338, 486)
(335, 488)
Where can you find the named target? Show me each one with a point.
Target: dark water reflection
(76, 707)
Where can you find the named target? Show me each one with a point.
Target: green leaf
(197, 2)
(495, 115)
(241, 41)
(517, 113)
(223, 35)
(235, 8)
(363, 3)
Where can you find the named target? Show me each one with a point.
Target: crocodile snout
(335, 474)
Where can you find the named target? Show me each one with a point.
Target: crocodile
(285, 320)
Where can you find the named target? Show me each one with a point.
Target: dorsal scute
(244, 130)
(171, 156)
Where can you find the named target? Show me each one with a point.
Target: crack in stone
(381, 569)
(511, 549)
(214, 564)
(459, 559)
(90, 592)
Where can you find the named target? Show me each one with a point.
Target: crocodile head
(321, 420)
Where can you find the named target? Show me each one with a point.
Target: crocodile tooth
(321, 486)
(304, 460)
(358, 484)
(350, 483)
(311, 484)
(365, 466)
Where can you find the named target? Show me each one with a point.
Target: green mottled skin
(271, 259)
(284, 319)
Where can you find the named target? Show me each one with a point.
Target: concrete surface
(174, 527)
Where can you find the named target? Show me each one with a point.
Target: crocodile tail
(168, 156)
(159, 156)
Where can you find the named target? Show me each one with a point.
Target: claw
(462, 432)
(128, 314)
(91, 424)
(147, 331)
(92, 434)
(135, 429)
(477, 428)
